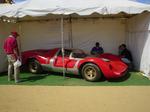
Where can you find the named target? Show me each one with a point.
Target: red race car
(76, 62)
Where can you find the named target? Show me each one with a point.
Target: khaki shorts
(11, 58)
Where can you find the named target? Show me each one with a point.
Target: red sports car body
(75, 61)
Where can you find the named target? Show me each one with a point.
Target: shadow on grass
(33, 78)
(66, 75)
(69, 76)
(3, 73)
(121, 79)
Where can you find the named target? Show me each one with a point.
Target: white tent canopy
(9, 10)
(66, 7)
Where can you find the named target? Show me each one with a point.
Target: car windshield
(67, 53)
(77, 53)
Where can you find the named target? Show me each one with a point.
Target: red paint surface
(111, 69)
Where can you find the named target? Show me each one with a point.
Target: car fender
(40, 59)
(103, 66)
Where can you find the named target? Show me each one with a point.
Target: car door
(59, 59)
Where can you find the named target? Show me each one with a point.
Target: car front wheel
(91, 72)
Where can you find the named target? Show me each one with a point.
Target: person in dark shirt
(97, 49)
(125, 55)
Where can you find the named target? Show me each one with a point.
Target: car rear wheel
(91, 72)
(34, 67)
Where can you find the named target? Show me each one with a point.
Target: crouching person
(126, 56)
(11, 49)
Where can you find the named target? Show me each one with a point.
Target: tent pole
(62, 43)
(70, 32)
(20, 32)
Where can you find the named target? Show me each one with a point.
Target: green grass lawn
(53, 79)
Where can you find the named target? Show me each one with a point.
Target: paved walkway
(74, 99)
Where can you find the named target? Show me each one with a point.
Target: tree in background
(7, 1)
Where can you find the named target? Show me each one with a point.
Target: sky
(143, 1)
(18, 0)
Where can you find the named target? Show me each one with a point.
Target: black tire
(34, 67)
(91, 72)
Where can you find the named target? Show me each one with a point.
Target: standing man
(97, 49)
(12, 51)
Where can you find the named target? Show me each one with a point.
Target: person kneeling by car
(125, 55)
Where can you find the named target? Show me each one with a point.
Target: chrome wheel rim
(90, 72)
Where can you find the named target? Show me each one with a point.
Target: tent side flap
(139, 41)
